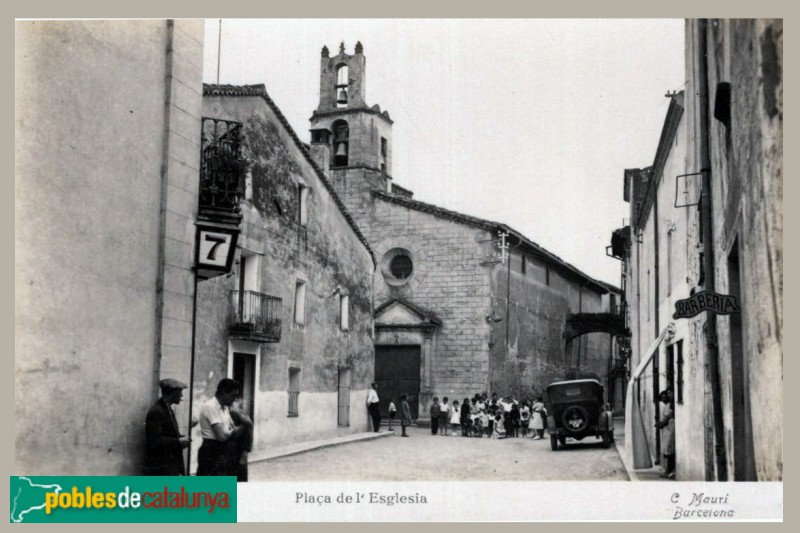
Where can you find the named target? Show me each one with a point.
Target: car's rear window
(567, 393)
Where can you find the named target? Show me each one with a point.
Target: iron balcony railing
(255, 316)
(222, 166)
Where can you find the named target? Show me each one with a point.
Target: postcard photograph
(402, 251)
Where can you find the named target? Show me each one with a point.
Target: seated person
(499, 429)
(477, 426)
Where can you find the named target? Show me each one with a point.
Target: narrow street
(425, 457)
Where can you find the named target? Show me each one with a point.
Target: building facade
(293, 321)
(707, 216)
(119, 204)
(108, 118)
(462, 305)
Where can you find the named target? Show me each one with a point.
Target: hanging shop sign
(216, 247)
(720, 304)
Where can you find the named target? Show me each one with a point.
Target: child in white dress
(455, 417)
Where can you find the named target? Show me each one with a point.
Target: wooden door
(397, 371)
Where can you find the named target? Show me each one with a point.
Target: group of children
(498, 418)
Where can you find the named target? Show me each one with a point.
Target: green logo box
(117, 499)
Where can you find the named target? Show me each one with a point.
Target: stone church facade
(462, 305)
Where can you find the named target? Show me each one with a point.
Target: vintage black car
(577, 410)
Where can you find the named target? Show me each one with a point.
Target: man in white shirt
(215, 457)
(373, 408)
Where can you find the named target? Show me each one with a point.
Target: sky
(527, 122)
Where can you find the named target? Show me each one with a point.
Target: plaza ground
(425, 457)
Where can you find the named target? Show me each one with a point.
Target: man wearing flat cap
(164, 442)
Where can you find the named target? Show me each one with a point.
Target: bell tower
(341, 80)
(349, 139)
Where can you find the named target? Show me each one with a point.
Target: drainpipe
(191, 374)
(656, 357)
(638, 278)
(712, 348)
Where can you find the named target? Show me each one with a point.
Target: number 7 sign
(215, 250)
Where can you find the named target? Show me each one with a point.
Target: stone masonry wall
(327, 255)
(747, 162)
(448, 281)
(537, 312)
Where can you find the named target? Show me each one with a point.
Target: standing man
(374, 408)
(164, 443)
(405, 414)
(667, 427)
(216, 456)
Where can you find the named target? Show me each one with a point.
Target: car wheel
(563, 441)
(553, 442)
(575, 419)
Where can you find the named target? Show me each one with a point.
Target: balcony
(620, 243)
(254, 317)
(222, 170)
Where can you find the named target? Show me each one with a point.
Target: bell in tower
(341, 98)
(341, 141)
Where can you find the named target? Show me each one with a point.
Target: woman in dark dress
(466, 419)
(515, 416)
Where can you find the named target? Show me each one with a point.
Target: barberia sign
(720, 304)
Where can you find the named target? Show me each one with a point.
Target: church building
(462, 305)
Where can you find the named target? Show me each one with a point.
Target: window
(302, 205)
(401, 266)
(294, 392)
(656, 374)
(248, 271)
(670, 369)
(344, 312)
(344, 397)
(397, 266)
(524, 266)
(247, 304)
(320, 136)
(383, 146)
(300, 302)
(702, 267)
